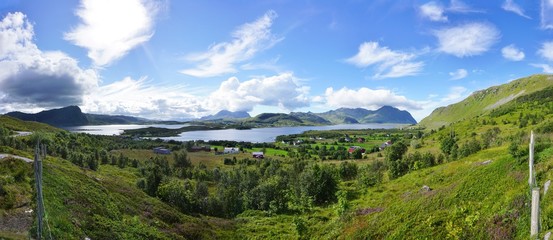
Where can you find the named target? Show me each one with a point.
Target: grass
(481, 102)
(82, 203)
(465, 196)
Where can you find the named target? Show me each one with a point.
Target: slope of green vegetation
(484, 101)
(464, 180)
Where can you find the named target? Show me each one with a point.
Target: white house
(231, 150)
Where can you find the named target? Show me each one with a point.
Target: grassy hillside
(18, 125)
(106, 204)
(484, 101)
(466, 180)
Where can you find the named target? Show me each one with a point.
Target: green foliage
(343, 205)
(348, 170)
(371, 174)
(301, 227)
(320, 182)
(180, 194)
(182, 160)
(394, 156)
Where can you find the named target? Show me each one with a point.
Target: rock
(547, 236)
(426, 188)
(546, 186)
(486, 162)
(365, 211)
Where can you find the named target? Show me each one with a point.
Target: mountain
(225, 114)
(275, 119)
(310, 117)
(67, 116)
(485, 101)
(385, 114)
(99, 119)
(73, 116)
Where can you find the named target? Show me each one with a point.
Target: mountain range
(73, 116)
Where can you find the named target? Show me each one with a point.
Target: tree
(347, 170)
(182, 160)
(320, 183)
(394, 159)
(371, 175)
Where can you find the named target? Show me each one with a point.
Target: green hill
(385, 114)
(484, 101)
(465, 180)
(67, 116)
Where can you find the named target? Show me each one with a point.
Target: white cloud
(461, 7)
(221, 58)
(433, 11)
(141, 98)
(467, 40)
(458, 74)
(33, 79)
(546, 50)
(546, 68)
(367, 98)
(511, 6)
(546, 14)
(110, 29)
(511, 52)
(389, 63)
(454, 95)
(283, 91)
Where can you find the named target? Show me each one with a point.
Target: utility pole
(535, 207)
(531, 178)
(39, 151)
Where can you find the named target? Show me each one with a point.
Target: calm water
(267, 134)
(249, 135)
(117, 129)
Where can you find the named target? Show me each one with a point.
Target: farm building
(206, 148)
(161, 150)
(231, 150)
(353, 148)
(385, 145)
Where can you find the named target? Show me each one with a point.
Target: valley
(459, 174)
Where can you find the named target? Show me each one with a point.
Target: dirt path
(4, 155)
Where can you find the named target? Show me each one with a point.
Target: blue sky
(166, 59)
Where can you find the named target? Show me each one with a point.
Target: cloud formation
(141, 98)
(110, 29)
(546, 51)
(546, 13)
(283, 91)
(388, 63)
(458, 74)
(31, 78)
(248, 40)
(546, 68)
(461, 7)
(511, 6)
(511, 52)
(467, 40)
(367, 98)
(433, 11)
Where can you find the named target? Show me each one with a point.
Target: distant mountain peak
(226, 114)
(385, 114)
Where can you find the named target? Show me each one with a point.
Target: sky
(172, 59)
